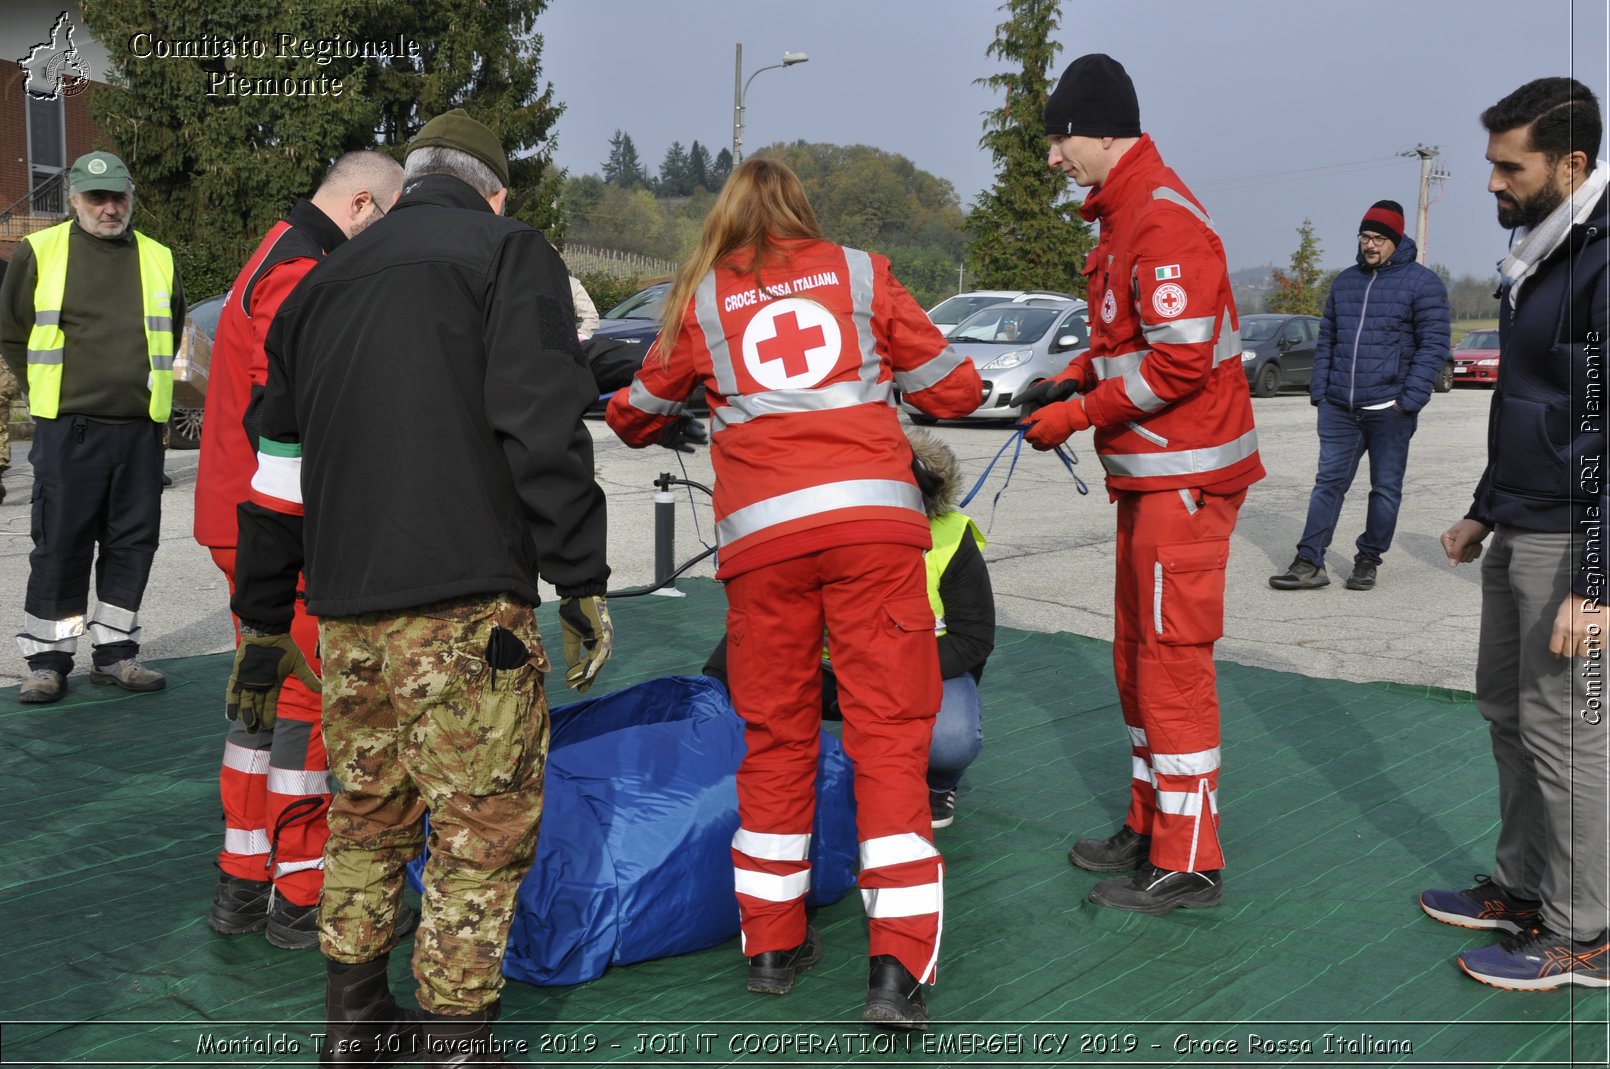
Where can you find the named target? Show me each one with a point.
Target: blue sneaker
(1485, 905)
(1540, 960)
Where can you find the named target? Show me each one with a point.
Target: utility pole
(738, 106)
(1427, 153)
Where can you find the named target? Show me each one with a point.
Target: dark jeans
(1345, 436)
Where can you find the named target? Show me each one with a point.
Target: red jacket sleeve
(267, 296)
(929, 373)
(639, 413)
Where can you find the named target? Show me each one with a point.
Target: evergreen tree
(623, 169)
(217, 163)
(720, 169)
(698, 167)
(1303, 291)
(1026, 233)
(674, 172)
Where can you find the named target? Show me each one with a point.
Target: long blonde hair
(762, 203)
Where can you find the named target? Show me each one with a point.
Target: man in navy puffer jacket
(1383, 342)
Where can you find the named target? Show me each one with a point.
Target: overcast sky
(1271, 110)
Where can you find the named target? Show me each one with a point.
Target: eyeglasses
(1374, 239)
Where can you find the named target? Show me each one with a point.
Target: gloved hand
(262, 664)
(683, 434)
(589, 639)
(1054, 424)
(1045, 392)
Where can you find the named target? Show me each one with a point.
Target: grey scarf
(1530, 246)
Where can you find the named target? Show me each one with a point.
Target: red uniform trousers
(1173, 548)
(275, 785)
(873, 603)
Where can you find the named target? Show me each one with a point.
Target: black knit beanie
(1094, 98)
(1384, 217)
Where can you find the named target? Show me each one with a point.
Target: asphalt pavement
(1050, 550)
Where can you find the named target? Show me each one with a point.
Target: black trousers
(95, 485)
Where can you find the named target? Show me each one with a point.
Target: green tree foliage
(1301, 291)
(623, 169)
(699, 168)
(674, 178)
(1026, 232)
(215, 171)
(720, 168)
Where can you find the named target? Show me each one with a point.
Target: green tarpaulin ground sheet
(1340, 802)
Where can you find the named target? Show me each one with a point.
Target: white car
(1014, 345)
(952, 310)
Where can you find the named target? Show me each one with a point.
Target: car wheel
(1267, 384)
(921, 420)
(184, 428)
(1445, 380)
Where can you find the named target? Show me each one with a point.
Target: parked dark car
(617, 347)
(1278, 351)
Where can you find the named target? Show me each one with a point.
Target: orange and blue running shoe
(1540, 960)
(1485, 905)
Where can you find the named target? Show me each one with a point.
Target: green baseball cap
(99, 170)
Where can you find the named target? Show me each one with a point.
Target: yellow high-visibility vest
(47, 343)
(948, 531)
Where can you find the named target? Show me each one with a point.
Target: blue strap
(1015, 443)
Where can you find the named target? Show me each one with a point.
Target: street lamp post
(740, 89)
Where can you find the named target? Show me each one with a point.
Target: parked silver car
(1014, 346)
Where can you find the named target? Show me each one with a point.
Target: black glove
(261, 665)
(1045, 392)
(684, 434)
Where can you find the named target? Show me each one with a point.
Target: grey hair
(438, 159)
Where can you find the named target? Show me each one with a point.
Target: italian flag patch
(1166, 273)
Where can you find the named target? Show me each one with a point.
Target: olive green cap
(456, 130)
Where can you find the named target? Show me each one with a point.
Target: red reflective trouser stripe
(251, 810)
(873, 603)
(1172, 553)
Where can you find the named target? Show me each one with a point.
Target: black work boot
(894, 996)
(773, 972)
(240, 906)
(453, 1041)
(363, 1023)
(1117, 853)
(1154, 890)
(1363, 577)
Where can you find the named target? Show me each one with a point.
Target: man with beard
(1540, 661)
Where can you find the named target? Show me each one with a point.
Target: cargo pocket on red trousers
(1188, 592)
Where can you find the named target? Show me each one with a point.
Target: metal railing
(43, 205)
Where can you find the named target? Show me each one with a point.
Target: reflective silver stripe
(930, 373)
(715, 339)
(104, 635)
(643, 400)
(771, 888)
(159, 323)
(285, 868)
(44, 356)
(1117, 365)
(885, 902)
(162, 363)
(1199, 763)
(50, 630)
(1157, 597)
(241, 759)
(1180, 331)
(298, 781)
(1176, 197)
(30, 645)
(115, 616)
(861, 281)
(1228, 346)
(769, 847)
(47, 319)
(1137, 736)
(241, 841)
(1140, 392)
(895, 850)
(1190, 502)
(1150, 436)
(743, 408)
(852, 493)
(1186, 803)
(1140, 770)
(1184, 461)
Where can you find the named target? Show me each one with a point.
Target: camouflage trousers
(8, 390)
(415, 719)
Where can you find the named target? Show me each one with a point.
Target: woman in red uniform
(800, 345)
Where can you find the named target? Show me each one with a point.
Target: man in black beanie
(1383, 345)
(1162, 386)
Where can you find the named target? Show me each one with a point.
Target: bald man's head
(358, 189)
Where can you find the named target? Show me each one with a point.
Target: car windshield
(1005, 325)
(1480, 339)
(1255, 329)
(644, 304)
(955, 309)
(204, 314)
